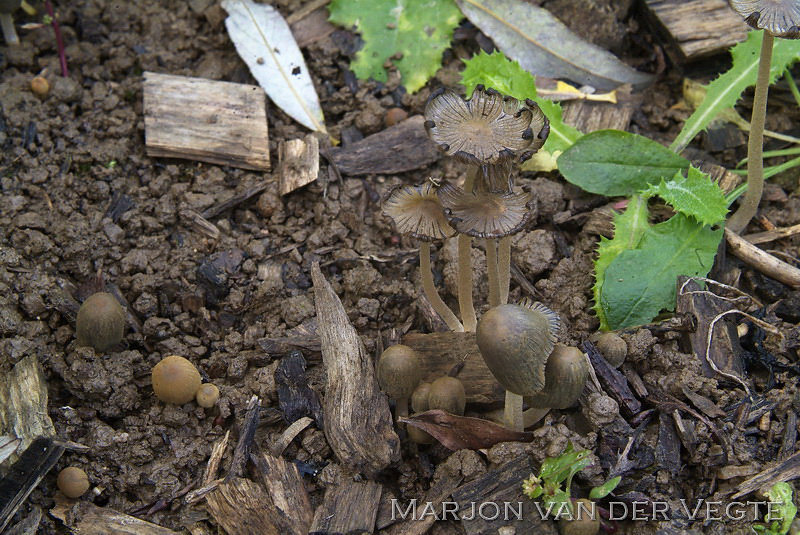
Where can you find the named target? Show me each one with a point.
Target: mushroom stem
(492, 272)
(504, 265)
(755, 145)
(529, 416)
(10, 33)
(430, 289)
(400, 408)
(465, 305)
(513, 411)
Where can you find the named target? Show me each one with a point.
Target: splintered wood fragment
(686, 433)
(588, 116)
(289, 434)
(196, 119)
(694, 29)
(613, 381)
(295, 398)
(350, 507)
(201, 224)
(287, 492)
(503, 487)
(439, 352)
(242, 507)
(23, 404)
(85, 518)
(298, 162)
(29, 525)
(708, 407)
(358, 424)
(217, 452)
(21, 477)
(402, 147)
(246, 436)
(789, 436)
(786, 470)
(235, 200)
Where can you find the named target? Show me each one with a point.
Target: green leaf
(695, 195)
(420, 30)
(781, 493)
(506, 76)
(725, 91)
(612, 162)
(629, 227)
(598, 493)
(639, 283)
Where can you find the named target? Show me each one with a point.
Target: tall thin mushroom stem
(430, 289)
(492, 271)
(504, 267)
(465, 305)
(513, 412)
(755, 146)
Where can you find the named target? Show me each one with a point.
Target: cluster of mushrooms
(489, 133)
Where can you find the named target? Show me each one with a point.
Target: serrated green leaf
(725, 91)
(612, 162)
(629, 227)
(506, 76)
(639, 283)
(695, 195)
(420, 30)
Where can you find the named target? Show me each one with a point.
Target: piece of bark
(28, 525)
(695, 29)
(708, 407)
(235, 200)
(217, 122)
(21, 477)
(310, 23)
(246, 436)
(278, 347)
(8, 445)
(295, 398)
(358, 423)
(348, 508)
(242, 507)
(772, 235)
(200, 224)
(789, 436)
(23, 404)
(501, 487)
(298, 162)
(686, 433)
(589, 116)
(85, 518)
(439, 352)
(287, 492)
(613, 381)
(402, 147)
(786, 470)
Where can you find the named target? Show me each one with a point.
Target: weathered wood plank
(350, 507)
(695, 29)
(217, 122)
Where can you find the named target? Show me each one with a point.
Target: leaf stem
(755, 145)
(429, 288)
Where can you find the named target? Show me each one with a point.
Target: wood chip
(358, 423)
(242, 507)
(85, 518)
(708, 407)
(289, 434)
(786, 470)
(588, 116)
(349, 507)
(216, 122)
(310, 26)
(295, 398)
(789, 436)
(613, 381)
(298, 162)
(287, 492)
(668, 448)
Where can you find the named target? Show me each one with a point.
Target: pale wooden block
(197, 119)
(299, 162)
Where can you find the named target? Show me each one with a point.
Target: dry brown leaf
(461, 432)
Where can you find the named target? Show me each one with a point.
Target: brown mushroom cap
(515, 342)
(566, 373)
(416, 210)
(207, 395)
(781, 18)
(486, 129)
(399, 371)
(72, 482)
(484, 214)
(175, 380)
(447, 393)
(613, 348)
(100, 322)
(419, 399)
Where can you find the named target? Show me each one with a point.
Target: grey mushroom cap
(781, 18)
(484, 214)
(417, 211)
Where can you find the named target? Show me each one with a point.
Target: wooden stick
(772, 235)
(762, 261)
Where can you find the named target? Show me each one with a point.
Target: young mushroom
(175, 380)
(207, 395)
(613, 348)
(778, 18)
(447, 393)
(100, 322)
(416, 211)
(7, 7)
(398, 375)
(565, 375)
(72, 482)
(515, 342)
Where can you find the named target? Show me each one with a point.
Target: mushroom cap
(613, 348)
(416, 210)
(565, 373)
(419, 398)
(484, 214)
(399, 371)
(207, 395)
(175, 380)
(515, 342)
(447, 393)
(100, 322)
(487, 128)
(72, 482)
(781, 18)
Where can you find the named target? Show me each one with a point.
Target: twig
(762, 261)
(772, 235)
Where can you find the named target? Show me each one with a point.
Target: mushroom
(7, 7)
(398, 375)
(565, 375)
(417, 211)
(419, 399)
(447, 393)
(175, 380)
(72, 482)
(515, 342)
(100, 322)
(207, 395)
(487, 132)
(613, 348)
(778, 18)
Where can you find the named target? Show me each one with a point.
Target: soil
(80, 197)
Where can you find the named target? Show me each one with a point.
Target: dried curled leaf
(462, 432)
